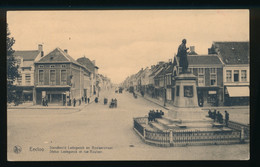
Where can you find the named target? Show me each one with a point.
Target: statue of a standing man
(182, 54)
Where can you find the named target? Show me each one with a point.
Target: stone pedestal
(186, 99)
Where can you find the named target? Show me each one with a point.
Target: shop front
(209, 96)
(55, 96)
(236, 95)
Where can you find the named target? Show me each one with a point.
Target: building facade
(59, 78)
(209, 72)
(25, 60)
(236, 71)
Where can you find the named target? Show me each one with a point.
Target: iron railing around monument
(192, 136)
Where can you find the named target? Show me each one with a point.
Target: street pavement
(101, 133)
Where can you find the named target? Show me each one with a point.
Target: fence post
(242, 135)
(171, 137)
(144, 132)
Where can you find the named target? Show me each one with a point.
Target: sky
(124, 41)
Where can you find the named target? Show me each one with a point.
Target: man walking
(74, 102)
(226, 118)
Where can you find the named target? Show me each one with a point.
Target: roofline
(26, 50)
(229, 41)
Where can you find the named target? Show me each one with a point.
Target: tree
(12, 68)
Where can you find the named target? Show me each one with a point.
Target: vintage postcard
(101, 85)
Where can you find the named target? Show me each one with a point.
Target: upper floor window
(52, 77)
(212, 70)
(200, 70)
(213, 79)
(19, 79)
(236, 75)
(243, 75)
(63, 77)
(201, 80)
(41, 77)
(63, 65)
(41, 66)
(228, 75)
(52, 66)
(190, 70)
(27, 79)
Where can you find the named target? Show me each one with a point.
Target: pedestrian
(85, 99)
(64, 102)
(88, 100)
(69, 102)
(115, 102)
(149, 116)
(214, 116)
(82, 98)
(74, 102)
(226, 118)
(46, 102)
(220, 118)
(210, 113)
(43, 102)
(79, 102)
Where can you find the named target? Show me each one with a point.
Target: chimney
(192, 48)
(40, 48)
(66, 51)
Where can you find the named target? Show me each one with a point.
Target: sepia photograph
(126, 85)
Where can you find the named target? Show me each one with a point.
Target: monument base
(187, 113)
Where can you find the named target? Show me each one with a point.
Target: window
(213, 79)
(212, 70)
(52, 77)
(63, 65)
(243, 75)
(27, 79)
(52, 66)
(41, 66)
(177, 90)
(41, 77)
(201, 77)
(63, 77)
(19, 79)
(200, 70)
(190, 70)
(236, 75)
(229, 76)
(18, 61)
(213, 76)
(188, 91)
(201, 80)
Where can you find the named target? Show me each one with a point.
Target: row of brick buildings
(222, 76)
(57, 76)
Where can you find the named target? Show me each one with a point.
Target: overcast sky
(124, 41)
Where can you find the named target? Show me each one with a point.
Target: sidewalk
(170, 106)
(29, 105)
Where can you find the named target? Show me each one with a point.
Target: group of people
(113, 103)
(155, 114)
(45, 102)
(218, 117)
(83, 99)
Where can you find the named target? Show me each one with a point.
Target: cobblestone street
(111, 129)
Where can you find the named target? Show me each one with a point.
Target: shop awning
(240, 91)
